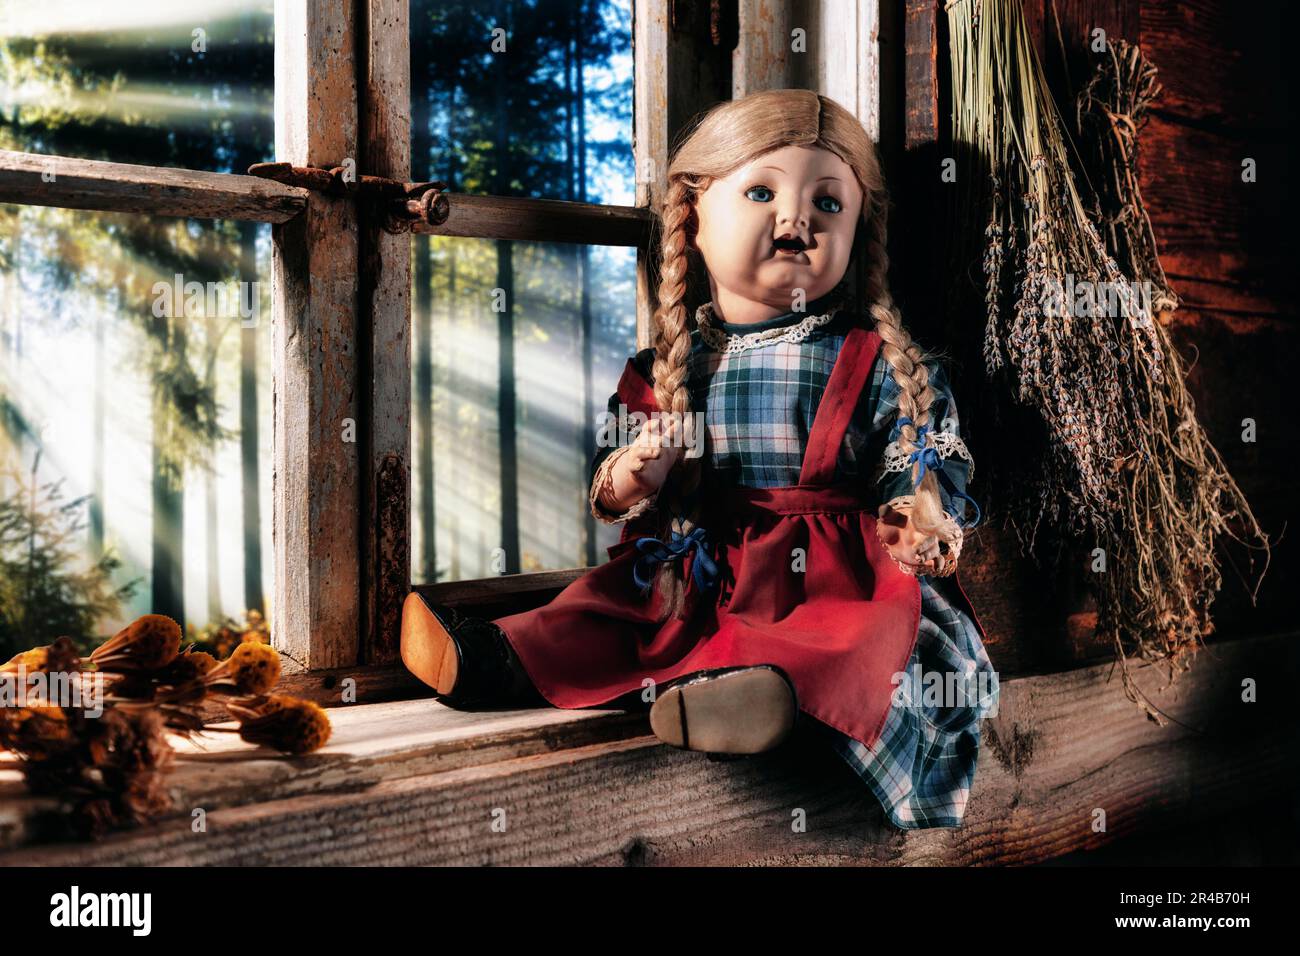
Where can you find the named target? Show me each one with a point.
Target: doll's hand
(651, 456)
(642, 467)
(921, 553)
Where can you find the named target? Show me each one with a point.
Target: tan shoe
(730, 710)
(467, 660)
(427, 648)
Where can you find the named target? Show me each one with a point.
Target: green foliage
(43, 595)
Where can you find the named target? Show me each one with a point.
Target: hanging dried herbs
(1071, 334)
(1111, 111)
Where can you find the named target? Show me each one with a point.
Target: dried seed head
(33, 660)
(256, 668)
(287, 724)
(251, 670)
(34, 732)
(149, 642)
(192, 665)
(51, 658)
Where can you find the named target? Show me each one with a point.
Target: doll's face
(783, 222)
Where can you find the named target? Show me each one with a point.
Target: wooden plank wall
(1223, 101)
(845, 51)
(1224, 248)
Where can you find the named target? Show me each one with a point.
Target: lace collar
(718, 340)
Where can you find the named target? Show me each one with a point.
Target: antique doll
(800, 565)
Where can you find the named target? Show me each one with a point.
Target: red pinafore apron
(807, 587)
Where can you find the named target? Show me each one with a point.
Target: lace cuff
(603, 479)
(950, 534)
(946, 444)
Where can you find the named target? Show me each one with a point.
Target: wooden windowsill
(416, 782)
(369, 744)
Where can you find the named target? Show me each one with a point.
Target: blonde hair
(728, 136)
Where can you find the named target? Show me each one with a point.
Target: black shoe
(467, 660)
(730, 710)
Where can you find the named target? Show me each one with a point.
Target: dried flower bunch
(1085, 374)
(110, 767)
(1127, 463)
(1110, 112)
(1184, 498)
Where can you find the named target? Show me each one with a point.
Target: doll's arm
(626, 479)
(895, 480)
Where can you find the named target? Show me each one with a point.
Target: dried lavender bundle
(1074, 368)
(1098, 369)
(1182, 497)
(1110, 113)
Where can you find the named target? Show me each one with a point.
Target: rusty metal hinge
(404, 204)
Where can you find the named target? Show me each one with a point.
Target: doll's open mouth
(790, 245)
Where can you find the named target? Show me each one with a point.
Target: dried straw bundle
(1110, 112)
(1127, 464)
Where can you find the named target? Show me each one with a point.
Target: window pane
(548, 116)
(147, 412)
(475, 514)
(184, 83)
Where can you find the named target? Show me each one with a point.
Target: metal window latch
(404, 204)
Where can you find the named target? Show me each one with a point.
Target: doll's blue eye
(824, 203)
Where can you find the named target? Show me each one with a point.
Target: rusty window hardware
(404, 204)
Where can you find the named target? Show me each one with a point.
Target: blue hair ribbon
(704, 570)
(928, 458)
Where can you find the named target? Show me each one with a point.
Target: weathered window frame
(341, 306)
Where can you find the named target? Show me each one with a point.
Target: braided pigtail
(907, 360)
(672, 381)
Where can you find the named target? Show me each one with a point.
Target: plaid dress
(922, 768)
(759, 406)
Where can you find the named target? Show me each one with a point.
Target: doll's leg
(468, 661)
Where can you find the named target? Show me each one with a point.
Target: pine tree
(43, 595)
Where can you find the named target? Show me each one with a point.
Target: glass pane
(184, 83)
(546, 114)
(500, 486)
(135, 423)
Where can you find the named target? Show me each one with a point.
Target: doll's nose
(793, 216)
